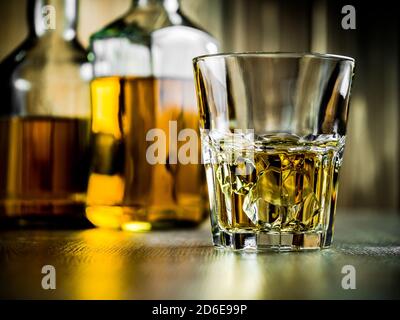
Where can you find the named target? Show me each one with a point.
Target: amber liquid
(286, 191)
(44, 164)
(126, 191)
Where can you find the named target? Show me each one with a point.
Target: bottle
(143, 86)
(45, 122)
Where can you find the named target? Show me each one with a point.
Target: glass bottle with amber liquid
(145, 120)
(45, 122)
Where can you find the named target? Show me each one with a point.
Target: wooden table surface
(104, 264)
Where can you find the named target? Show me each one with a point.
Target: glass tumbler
(273, 130)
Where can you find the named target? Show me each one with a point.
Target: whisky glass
(273, 129)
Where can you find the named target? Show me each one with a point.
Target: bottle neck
(53, 18)
(169, 5)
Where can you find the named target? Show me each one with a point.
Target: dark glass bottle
(143, 81)
(45, 121)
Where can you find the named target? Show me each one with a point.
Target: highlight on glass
(273, 135)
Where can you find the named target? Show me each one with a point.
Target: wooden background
(370, 175)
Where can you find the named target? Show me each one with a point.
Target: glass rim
(266, 54)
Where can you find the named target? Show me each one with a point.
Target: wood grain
(103, 264)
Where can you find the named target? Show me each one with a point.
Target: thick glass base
(272, 241)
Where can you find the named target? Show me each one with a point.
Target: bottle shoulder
(139, 25)
(18, 54)
(42, 78)
(135, 24)
(38, 49)
(35, 60)
(161, 46)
